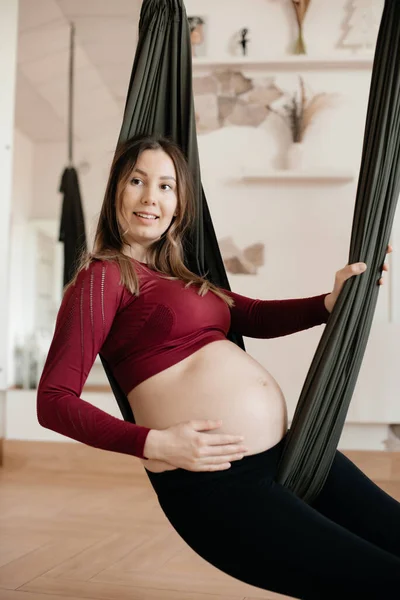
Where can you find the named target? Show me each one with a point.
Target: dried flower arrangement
(298, 113)
(300, 7)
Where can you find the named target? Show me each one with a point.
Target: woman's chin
(145, 240)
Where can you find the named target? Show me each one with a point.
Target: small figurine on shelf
(196, 33)
(244, 40)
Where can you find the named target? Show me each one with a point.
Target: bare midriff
(219, 381)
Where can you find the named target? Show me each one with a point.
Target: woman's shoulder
(94, 264)
(99, 271)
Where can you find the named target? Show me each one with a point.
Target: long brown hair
(165, 255)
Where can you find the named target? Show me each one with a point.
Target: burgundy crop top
(140, 336)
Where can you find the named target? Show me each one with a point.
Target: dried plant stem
(300, 7)
(300, 47)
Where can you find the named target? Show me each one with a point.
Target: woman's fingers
(223, 450)
(219, 462)
(384, 268)
(222, 467)
(220, 439)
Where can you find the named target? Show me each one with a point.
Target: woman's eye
(135, 181)
(165, 185)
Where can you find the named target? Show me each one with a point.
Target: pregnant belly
(219, 381)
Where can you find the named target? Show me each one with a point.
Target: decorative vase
(294, 157)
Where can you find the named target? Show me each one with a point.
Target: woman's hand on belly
(184, 446)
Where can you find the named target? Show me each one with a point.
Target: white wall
(306, 228)
(50, 161)
(21, 316)
(8, 48)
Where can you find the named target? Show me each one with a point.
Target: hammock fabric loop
(160, 100)
(324, 401)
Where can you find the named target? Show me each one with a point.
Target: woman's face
(152, 191)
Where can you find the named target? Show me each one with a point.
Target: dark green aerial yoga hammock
(160, 100)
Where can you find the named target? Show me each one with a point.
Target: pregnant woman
(210, 420)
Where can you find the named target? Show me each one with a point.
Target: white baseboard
(364, 436)
(21, 422)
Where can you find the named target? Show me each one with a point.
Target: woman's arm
(276, 318)
(83, 323)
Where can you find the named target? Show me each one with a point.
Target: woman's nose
(149, 197)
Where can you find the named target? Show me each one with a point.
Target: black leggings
(345, 546)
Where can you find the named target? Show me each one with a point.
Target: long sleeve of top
(276, 318)
(83, 323)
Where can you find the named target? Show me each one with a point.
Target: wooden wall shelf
(310, 175)
(287, 62)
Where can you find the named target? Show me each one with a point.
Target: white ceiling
(105, 42)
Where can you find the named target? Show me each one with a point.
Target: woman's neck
(139, 257)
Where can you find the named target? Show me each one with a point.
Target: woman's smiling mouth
(145, 217)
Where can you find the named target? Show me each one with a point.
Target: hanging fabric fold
(72, 225)
(324, 401)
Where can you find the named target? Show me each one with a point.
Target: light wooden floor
(81, 523)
